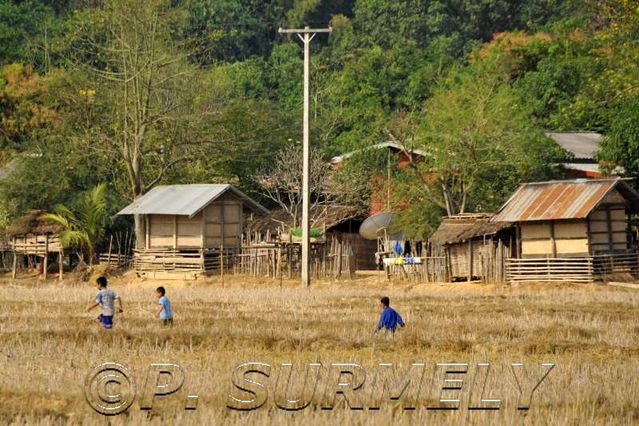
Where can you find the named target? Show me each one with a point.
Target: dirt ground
(49, 345)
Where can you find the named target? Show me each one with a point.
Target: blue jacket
(389, 320)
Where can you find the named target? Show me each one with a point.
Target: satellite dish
(379, 226)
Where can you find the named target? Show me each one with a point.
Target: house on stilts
(35, 241)
(189, 230)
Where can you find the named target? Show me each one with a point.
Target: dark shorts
(107, 321)
(167, 322)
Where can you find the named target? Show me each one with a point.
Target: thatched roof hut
(461, 228)
(473, 245)
(32, 224)
(30, 235)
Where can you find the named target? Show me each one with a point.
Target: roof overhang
(185, 200)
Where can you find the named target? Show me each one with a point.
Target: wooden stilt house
(31, 238)
(575, 230)
(189, 229)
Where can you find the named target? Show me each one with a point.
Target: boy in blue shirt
(106, 299)
(165, 312)
(389, 318)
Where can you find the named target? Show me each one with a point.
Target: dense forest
(180, 91)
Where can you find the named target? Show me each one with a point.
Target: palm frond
(83, 229)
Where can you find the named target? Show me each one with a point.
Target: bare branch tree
(282, 184)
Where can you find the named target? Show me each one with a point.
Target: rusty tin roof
(556, 200)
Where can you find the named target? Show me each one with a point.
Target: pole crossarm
(306, 35)
(306, 30)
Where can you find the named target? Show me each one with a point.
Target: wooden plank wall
(219, 224)
(223, 224)
(487, 257)
(554, 239)
(37, 245)
(608, 229)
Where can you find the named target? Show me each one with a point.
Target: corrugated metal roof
(184, 200)
(583, 145)
(583, 167)
(555, 200)
(388, 144)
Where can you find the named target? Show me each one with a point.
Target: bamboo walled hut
(189, 229)
(270, 249)
(32, 237)
(473, 247)
(576, 230)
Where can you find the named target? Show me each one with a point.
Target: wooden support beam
(609, 229)
(553, 242)
(589, 232)
(15, 260)
(147, 228)
(61, 264)
(46, 257)
(222, 263)
(175, 231)
(470, 260)
(223, 222)
(202, 239)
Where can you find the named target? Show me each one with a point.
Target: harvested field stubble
(48, 344)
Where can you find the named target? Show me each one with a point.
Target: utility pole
(306, 35)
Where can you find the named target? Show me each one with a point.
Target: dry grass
(48, 345)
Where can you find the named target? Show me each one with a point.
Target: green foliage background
(387, 71)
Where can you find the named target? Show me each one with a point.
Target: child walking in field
(390, 318)
(106, 299)
(165, 312)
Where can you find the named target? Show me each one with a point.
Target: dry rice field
(48, 345)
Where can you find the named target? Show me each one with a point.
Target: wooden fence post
(110, 246)
(15, 259)
(61, 264)
(470, 260)
(46, 256)
(222, 263)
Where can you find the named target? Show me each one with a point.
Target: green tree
(83, 228)
(21, 27)
(152, 93)
(474, 130)
(620, 146)
(615, 52)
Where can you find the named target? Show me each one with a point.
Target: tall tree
(152, 89)
(473, 131)
(620, 146)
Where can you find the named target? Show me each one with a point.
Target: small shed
(189, 228)
(580, 228)
(338, 224)
(473, 246)
(32, 236)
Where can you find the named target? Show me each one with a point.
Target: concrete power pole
(306, 35)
